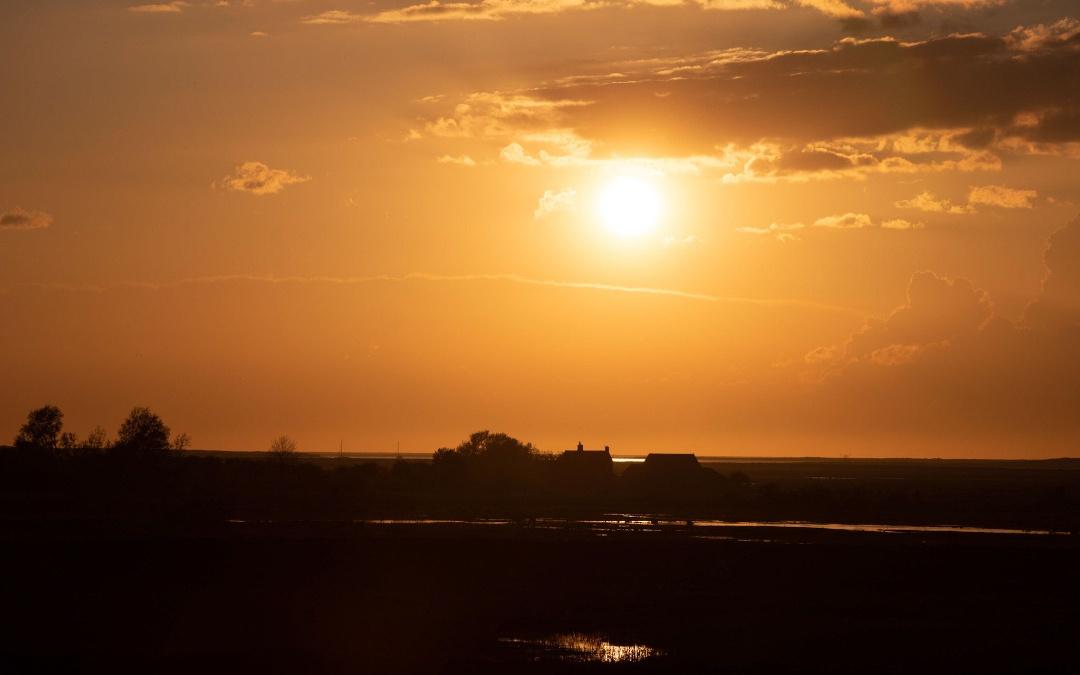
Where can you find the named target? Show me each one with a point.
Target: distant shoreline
(705, 459)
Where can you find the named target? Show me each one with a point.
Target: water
(645, 523)
(648, 523)
(849, 527)
(578, 647)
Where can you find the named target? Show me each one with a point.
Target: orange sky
(375, 222)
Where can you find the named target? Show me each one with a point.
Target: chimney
(580, 446)
(607, 449)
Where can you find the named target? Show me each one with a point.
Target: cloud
(500, 114)
(860, 88)
(901, 224)
(460, 160)
(938, 309)
(497, 10)
(885, 7)
(925, 201)
(1058, 306)
(1003, 197)
(763, 162)
(23, 219)
(735, 5)
(423, 276)
(454, 278)
(484, 10)
(333, 17)
(552, 202)
(945, 363)
(987, 195)
(846, 221)
(174, 7)
(883, 106)
(258, 179)
(833, 8)
(781, 231)
(514, 153)
(1041, 36)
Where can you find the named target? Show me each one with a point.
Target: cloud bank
(881, 106)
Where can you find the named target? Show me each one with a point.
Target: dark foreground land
(355, 598)
(137, 558)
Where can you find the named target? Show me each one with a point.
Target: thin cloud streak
(450, 278)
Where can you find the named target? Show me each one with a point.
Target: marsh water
(573, 648)
(646, 523)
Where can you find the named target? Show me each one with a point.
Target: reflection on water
(646, 523)
(622, 522)
(855, 527)
(657, 523)
(580, 647)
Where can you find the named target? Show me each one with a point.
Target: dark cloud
(856, 25)
(22, 219)
(977, 139)
(861, 106)
(900, 19)
(815, 160)
(855, 88)
(1056, 126)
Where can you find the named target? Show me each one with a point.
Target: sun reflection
(586, 648)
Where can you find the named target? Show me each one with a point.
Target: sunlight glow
(629, 206)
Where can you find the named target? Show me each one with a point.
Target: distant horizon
(616, 456)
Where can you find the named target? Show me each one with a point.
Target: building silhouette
(580, 469)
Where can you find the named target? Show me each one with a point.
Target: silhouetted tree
(142, 433)
(491, 458)
(42, 429)
(181, 442)
(283, 449)
(489, 447)
(68, 441)
(96, 440)
(448, 465)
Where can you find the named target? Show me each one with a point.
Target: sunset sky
(734, 227)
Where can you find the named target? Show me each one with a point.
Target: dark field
(203, 562)
(1022, 494)
(310, 598)
(993, 493)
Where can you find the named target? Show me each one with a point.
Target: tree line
(144, 472)
(141, 433)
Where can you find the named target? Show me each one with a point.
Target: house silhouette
(581, 468)
(670, 475)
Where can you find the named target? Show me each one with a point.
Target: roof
(580, 450)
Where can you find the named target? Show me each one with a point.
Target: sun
(629, 206)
